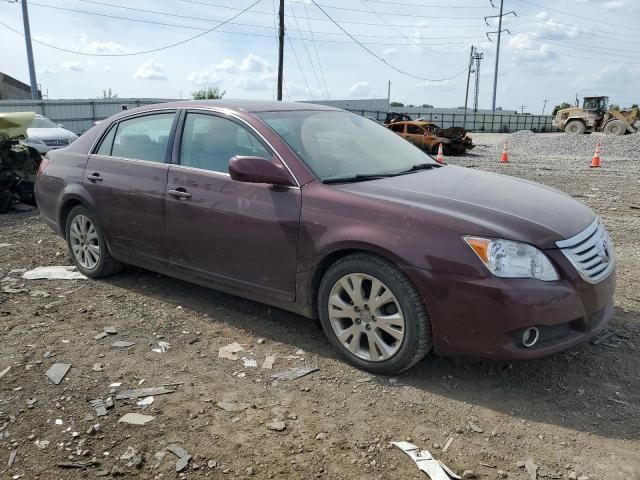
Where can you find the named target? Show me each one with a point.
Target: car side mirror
(258, 170)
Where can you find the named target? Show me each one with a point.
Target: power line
(197, 2)
(599, 21)
(394, 28)
(304, 79)
(191, 27)
(334, 7)
(419, 5)
(380, 58)
(574, 29)
(576, 46)
(315, 46)
(304, 44)
(165, 47)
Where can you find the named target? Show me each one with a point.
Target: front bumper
(485, 317)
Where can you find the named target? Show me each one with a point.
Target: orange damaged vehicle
(428, 136)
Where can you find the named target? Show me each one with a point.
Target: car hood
(49, 133)
(486, 203)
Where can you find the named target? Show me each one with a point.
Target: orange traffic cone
(440, 157)
(595, 161)
(505, 154)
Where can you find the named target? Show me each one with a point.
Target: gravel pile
(623, 147)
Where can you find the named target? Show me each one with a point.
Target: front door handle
(95, 177)
(179, 193)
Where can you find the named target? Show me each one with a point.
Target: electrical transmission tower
(477, 58)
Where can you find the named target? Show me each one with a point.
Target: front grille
(57, 143)
(590, 252)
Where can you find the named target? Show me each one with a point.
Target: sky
(334, 49)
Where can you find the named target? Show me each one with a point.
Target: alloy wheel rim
(85, 246)
(366, 317)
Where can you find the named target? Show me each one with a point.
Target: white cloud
(256, 83)
(612, 79)
(73, 66)
(151, 70)
(301, 92)
(444, 85)
(97, 47)
(527, 51)
(46, 70)
(204, 78)
(251, 63)
(606, 5)
(360, 89)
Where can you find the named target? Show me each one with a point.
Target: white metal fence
(76, 115)
(80, 115)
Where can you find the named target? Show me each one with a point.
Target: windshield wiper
(359, 178)
(420, 166)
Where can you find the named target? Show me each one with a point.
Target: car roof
(251, 106)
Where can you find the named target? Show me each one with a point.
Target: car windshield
(341, 145)
(42, 122)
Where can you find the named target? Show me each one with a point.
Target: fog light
(530, 337)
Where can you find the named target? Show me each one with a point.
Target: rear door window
(107, 142)
(414, 130)
(143, 138)
(209, 142)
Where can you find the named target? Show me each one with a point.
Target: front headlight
(508, 259)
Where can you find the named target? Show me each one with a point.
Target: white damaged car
(44, 135)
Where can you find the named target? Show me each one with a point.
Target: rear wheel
(575, 127)
(373, 314)
(615, 127)
(87, 245)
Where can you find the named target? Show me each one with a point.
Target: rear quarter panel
(61, 180)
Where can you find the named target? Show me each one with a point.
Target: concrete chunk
(57, 372)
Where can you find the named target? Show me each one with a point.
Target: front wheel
(575, 127)
(87, 245)
(373, 314)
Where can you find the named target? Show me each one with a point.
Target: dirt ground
(575, 414)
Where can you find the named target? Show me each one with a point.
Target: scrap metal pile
(18, 163)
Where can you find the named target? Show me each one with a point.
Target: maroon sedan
(330, 215)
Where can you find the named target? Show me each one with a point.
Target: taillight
(44, 163)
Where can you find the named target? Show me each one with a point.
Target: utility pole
(499, 32)
(466, 95)
(522, 107)
(27, 38)
(389, 96)
(544, 105)
(495, 71)
(280, 49)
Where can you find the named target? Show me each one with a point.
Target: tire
(365, 340)
(615, 127)
(575, 127)
(87, 245)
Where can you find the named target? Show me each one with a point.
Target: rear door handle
(179, 193)
(95, 177)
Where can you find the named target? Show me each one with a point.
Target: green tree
(426, 105)
(212, 92)
(562, 106)
(635, 105)
(614, 106)
(108, 94)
